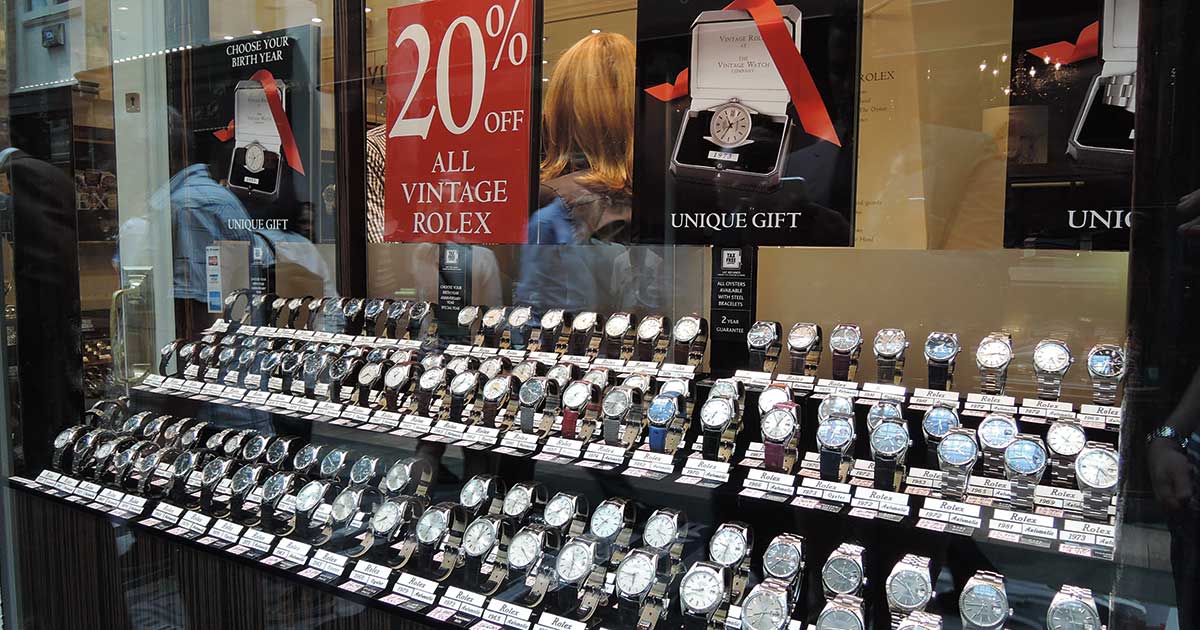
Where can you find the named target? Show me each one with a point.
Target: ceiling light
(595, 31)
(256, 32)
(316, 20)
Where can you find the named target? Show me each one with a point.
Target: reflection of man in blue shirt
(202, 211)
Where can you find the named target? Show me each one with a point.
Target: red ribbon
(810, 107)
(1086, 46)
(291, 153)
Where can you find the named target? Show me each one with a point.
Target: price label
(374, 575)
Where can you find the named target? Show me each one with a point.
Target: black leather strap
(831, 465)
(939, 376)
(843, 367)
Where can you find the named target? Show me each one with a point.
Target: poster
(746, 122)
(459, 117)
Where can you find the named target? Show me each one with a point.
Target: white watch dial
(517, 501)
(479, 537)
(1097, 468)
(686, 329)
(635, 574)
(607, 520)
(993, 353)
(574, 561)
(1051, 356)
(763, 611)
(473, 494)
(1066, 439)
(727, 547)
(660, 531)
(432, 526)
(559, 510)
(731, 125)
(701, 590)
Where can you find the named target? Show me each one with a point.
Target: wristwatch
(845, 344)
(485, 543)
(843, 612)
(884, 411)
(441, 528)
(719, 424)
(784, 560)
(577, 566)
(768, 606)
(941, 351)
(835, 447)
(397, 381)
(730, 547)
(64, 446)
(704, 591)
(583, 328)
(525, 370)
(889, 446)
(352, 314)
(1073, 608)
(550, 331)
(494, 366)
(616, 335)
(844, 572)
(527, 554)
(279, 452)
(781, 435)
(576, 399)
(804, 348)
(332, 318)
(429, 388)
(566, 513)
(369, 375)
(392, 524)
(652, 339)
(270, 517)
(621, 410)
(266, 369)
(84, 449)
(215, 471)
(1106, 366)
(497, 393)
(295, 306)
(835, 405)
(1065, 439)
(308, 502)
(939, 420)
(420, 314)
(667, 427)
(909, 587)
(561, 374)
(308, 459)
(665, 532)
(315, 306)
(523, 500)
(992, 357)
(482, 495)
(763, 343)
(469, 320)
(1096, 473)
(490, 326)
(957, 454)
(1051, 360)
(461, 363)
(921, 621)
(334, 464)
(253, 448)
(168, 352)
(371, 312)
(890, 345)
(410, 476)
(772, 395)
(1024, 464)
(246, 361)
(462, 395)
(396, 319)
(532, 400)
(996, 431)
(636, 577)
(241, 486)
(689, 339)
(232, 314)
(156, 465)
(983, 603)
(518, 327)
(315, 366)
(612, 525)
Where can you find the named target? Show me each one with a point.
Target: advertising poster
(746, 122)
(1070, 124)
(459, 117)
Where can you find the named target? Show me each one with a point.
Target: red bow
(810, 107)
(1086, 46)
(291, 153)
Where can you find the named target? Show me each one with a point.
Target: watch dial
(730, 126)
(772, 396)
(473, 494)
(884, 411)
(396, 477)
(997, 432)
(64, 438)
(1025, 456)
(957, 449)
(662, 410)
(1066, 438)
(243, 479)
(559, 373)
(1098, 468)
(523, 549)
(464, 383)
(983, 605)
(941, 346)
(778, 425)
(761, 335)
(373, 308)
(908, 589)
(640, 382)
(333, 462)
(495, 388)
(727, 547)
(584, 321)
(617, 325)
(1072, 614)
(838, 619)
(597, 377)
(553, 318)
(782, 560)
(675, 386)
(369, 373)
(491, 367)
(458, 364)
(574, 561)
(701, 590)
(686, 329)
(124, 457)
(386, 517)
(890, 342)
(635, 574)
(519, 316)
(1106, 361)
(397, 375)
(275, 487)
(835, 433)
(345, 505)
(559, 510)
(433, 360)
(763, 611)
(532, 392)
(479, 537)
(517, 501)
(418, 310)
(524, 370)
(841, 575)
(363, 470)
(993, 354)
(940, 420)
(725, 388)
(845, 338)
(467, 315)
(616, 402)
(105, 449)
(396, 309)
(802, 336)
(184, 464)
(432, 378)
(835, 405)
(577, 395)
(290, 362)
(650, 328)
(889, 439)
(715, 413)
(310, 496)
(660, 531)
(607, 520)
(493, 317)
(254, 447)
(214, 471)
(306, 456)
(432, 526)
(1051, 356)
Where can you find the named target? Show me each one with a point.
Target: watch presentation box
(1103, 130)
(255, 167)
(737, 130)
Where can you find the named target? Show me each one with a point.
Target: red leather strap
(773, 456)
(569, 423)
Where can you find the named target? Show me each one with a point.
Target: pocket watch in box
(256, 165)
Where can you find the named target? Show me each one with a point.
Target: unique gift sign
(459, 114)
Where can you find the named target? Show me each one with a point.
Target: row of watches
(1051, 357)
(397, 319)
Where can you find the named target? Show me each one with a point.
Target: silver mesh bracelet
(1104, 391)
(1049, 386)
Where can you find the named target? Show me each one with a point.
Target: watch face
(940, 420)
(1072, 614)
(243, 479)
(764, 611)
(524, 370)
(716, 413)
(577, 395)
(574, 561)
(459, 364)
(495, 388)
(532, 392)
(997, 431)
(473, 494)
(306, 456)
(889, 439)
(431, 379)
(650, 328)
(1066, 438)
(779, 425)
(64, 438)
(519, 316)
(686, 329)
(835, 433)
(640, 382)
(782, 560)
(374, 308)
(467, 315)
(993, 353)
(727, 547)
(124, 457)
(233, 444)
(518, 500)
(432, 526)
(1025, 457)
(841, 575)
(617, 325)
(227, 355)
(772, 396)
(660, 531)
(396, 477)
(908, 590)
(333, 462)
(730, 126)
(983, 605)
(493, 317)
(269, 363)
(184, 464)
(560, 510)
(616, 402)
(662, 410)
(845, 338)
(397, 375)
(523, 549)
(958, 449)
(635, 574)
(726, 388)
(607, 520)
(1106, 361)
(275, 486)
(419, 310)
(254, 447)
(890, 343)
(491, 366)
(290, 362)
(941, 346)
(386, 517)
(802, 336)
(761, 335)
(838, 619)
(884, 411)
(363, 469)
(464, 383)
(479, 537)
(584, 321)
(1051, 356)
(701, 590)
(553, 318)
(675, 386)
(214, 471)
(835, 405)
(105, 449)
(433, 360)
(369, 373)
(396, 310)
(559, 373)
(247, 357)
(340, 369)
(1098, 468)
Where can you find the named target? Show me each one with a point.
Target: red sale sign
(460, 79)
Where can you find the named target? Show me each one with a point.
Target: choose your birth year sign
(460, 79)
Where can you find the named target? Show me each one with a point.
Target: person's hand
(1171, 474)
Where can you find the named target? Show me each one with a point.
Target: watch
(253, 448)
(616, 334)
(730, 547)
(704, 592)
(992, 357)
(494, 366)
(577, 566)
(583, 329)
(1065, 439)
(497, 393)
(884, 411)
(334, 464)
(441, 528)
(562, 374)
(844, 572)
(430, 387)
(246, 361)
(482, 495)
(1051, 360)
(527, 554)
(996, 431)
(577, 398)
(485, 544)
(983, 603)
(566, 513)
(294, 307)
(941, 351)
(214, 473)
(392, 523)
(784, 559)
(920, 621)
(1106, 367)
(352, 314)
(1024, 464)
(835, 447)
(889, 446)
(280, 452)
(689, 339)
(909, 587)
(532, 400)
(667, 426)
(407, 477)
(622, 416)
(270, 517)
(768, 606)
(612, 524)
(845, 344)
(154, 471)
(315, 366)
(397, 318)
(241, 486)
(842, 612)
(469, 320)
(64, 446)
(804, 348)
(550, 332)
(462, 395)
(651, 339)
(232, 314)
(266, 369)
(1096, 470)
(938, 421)
(371, 312)
(420, 314)
(491, 324)
(315, 306)
(1073, 608)
(665, 532)
(781, 435)
(637, 575)
(763, 343)
(517, 331)
(719, 424)
(523, 500)
(168, 352)
(397, 381)
(890, 345)
(957, 454)
(772, 395)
